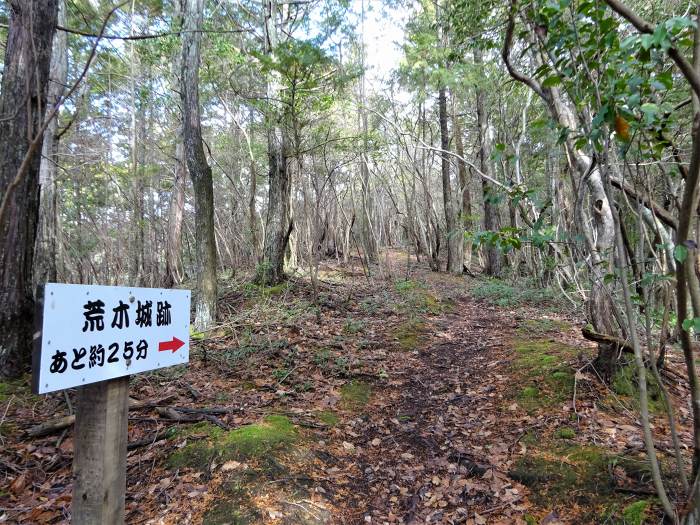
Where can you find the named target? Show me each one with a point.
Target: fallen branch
(191, 415)
(55, 425)
(149, 440)
(619, 344)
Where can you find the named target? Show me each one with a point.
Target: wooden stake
(99, 463)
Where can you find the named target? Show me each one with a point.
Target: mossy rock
(255, 440)
(579, 475)
(575, 476)
(355, 394)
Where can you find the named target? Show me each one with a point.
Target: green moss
(19, 387)
(625, 384)
(409, 333)
(417, 298)
(259, 438)
(530, 519)
(194, 334)
(266, 291)
(635, 514)
(322, 356)
(587, 455)
(5, 390)
(565, 433)
(529, 392)
(542, 367)
(355, 395)
(582, 477)
(545, 478)
(255, 440)
(328, 417)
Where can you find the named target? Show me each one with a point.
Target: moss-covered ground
(355, 395)
(207, 442)
(546, 377)
(584, 477)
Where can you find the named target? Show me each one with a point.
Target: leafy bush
(501, 293)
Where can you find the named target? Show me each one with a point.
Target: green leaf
(650, 111)
(551, 81)
(647, 41)
(680, 253)
(693, 324)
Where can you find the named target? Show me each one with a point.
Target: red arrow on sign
(173, 345)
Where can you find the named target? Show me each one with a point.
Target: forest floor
(410, 397)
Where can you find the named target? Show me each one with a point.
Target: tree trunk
(493, 254)
(137, 150)
(278, 224)
(454, 233)
(200, 171)
(22, 107)
(368, 240)
(173, 273)
(466, 198)
(253, 192)
(45, 250)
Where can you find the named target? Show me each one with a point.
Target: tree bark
(137, 152)
(200, 171)
(253, 193)
(173, 273)
(22, 106)
(465, 217)
(454, 233)
(493, 254)
(278, 223)
(368, 239)
(45, 268)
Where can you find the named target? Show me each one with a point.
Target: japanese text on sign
(92, 333)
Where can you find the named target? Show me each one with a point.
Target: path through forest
(396, 399)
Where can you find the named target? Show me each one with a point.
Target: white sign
(92, 333)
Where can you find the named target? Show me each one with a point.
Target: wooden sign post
(99, 464)
(94, 337)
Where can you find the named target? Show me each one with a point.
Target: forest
(443, 255)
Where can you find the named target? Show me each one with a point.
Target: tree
(46, 241)
(493, 254)
(23, 96)
(278, 222)
(198, 167)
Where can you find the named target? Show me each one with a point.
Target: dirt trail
(399, 399)
(427, 452)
